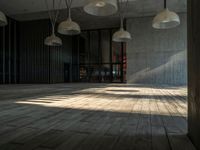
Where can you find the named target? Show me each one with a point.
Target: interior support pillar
(194, 71)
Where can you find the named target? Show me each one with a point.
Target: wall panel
(40, 63)
(9, 62)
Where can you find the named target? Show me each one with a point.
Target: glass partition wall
(97, 58)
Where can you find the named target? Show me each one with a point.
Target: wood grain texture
(93, 116)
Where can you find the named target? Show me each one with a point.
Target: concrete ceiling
(16, 7)
(23, 10)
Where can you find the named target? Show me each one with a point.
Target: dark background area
(88, 57)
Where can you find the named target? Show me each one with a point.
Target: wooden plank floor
(93, 117)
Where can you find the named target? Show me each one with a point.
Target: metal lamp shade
(101, 7)
(166, 20)
(53, 40)
(3, 19)
(121, 36)
(69, 27)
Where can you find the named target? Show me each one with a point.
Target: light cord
(165, 4)
(53, 14)
(69, 5)
(122, 8)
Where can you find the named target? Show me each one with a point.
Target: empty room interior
(99, 75)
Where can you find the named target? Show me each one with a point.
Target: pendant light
(3, 19)
(122, 35)
(53, 40)
(101, 7)
(166, 19)
(69, 27)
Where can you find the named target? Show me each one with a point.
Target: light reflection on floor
(158, 101)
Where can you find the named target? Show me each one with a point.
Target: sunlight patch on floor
(119, 99)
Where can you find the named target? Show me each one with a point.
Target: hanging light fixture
(69, 27)
(122, 35)
(3, 19)
(166, 19)
(101, 7)
(53, 40)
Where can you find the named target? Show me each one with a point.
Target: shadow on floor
(32, 127)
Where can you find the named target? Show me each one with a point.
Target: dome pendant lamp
(3, 19)
(69, 27)
(53, 40)
(121, 35)
(101, 7)
(166, 19)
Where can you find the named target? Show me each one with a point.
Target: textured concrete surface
(157, 56)
(32, 9)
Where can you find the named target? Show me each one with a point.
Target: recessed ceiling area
(36, 9)
(25, 10)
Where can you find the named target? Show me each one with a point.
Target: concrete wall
(157, 56)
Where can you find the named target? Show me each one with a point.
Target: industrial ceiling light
(69, 27)
(166, 19)
(53, 40)
(121, 35)
(101, 7)
(3, 19)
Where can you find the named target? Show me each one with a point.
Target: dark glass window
(84, 50)
(105, 46)
(94, 47)
(116, 52)
(116, 72)
(100, 59)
